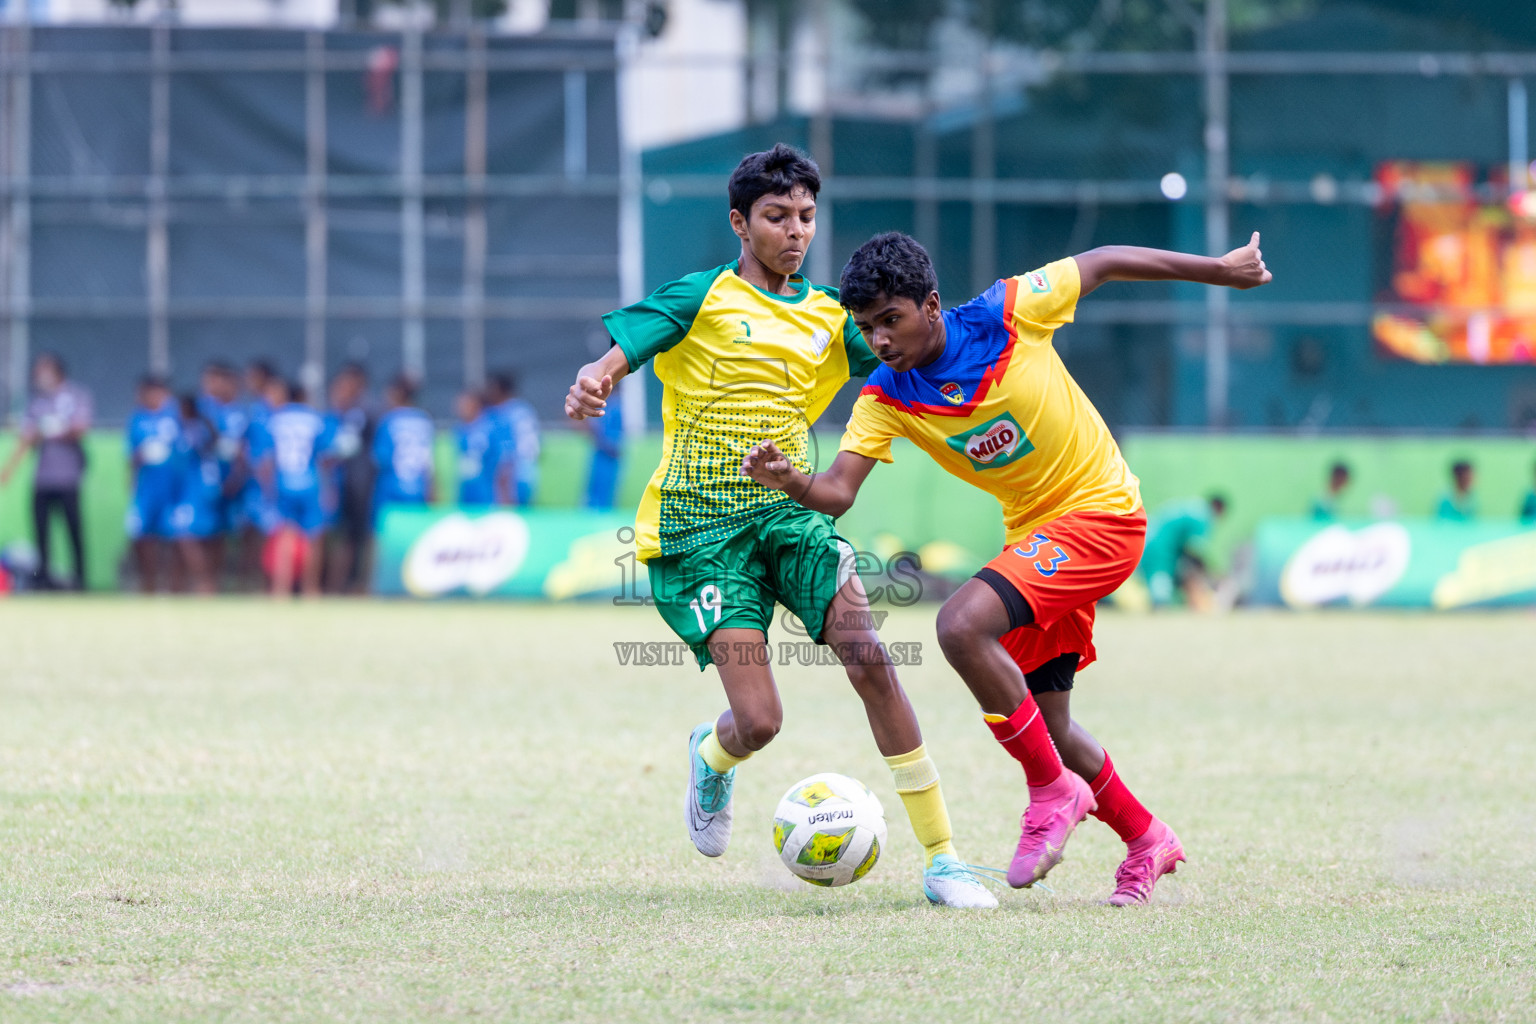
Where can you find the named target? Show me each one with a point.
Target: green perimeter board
(915, 503)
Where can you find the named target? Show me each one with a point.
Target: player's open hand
(1245, 266)
(767, 465)
(588, 397)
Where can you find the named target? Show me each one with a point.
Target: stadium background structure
(446, 201)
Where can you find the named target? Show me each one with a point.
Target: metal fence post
(1519, 137)
(1217, 211)
(925, 167)
(820, 263)
(316, 227)
(475, 101)
(157, 256)
(413, 333)
(18, 226)
(984, 268)
(575, 124)
(631, 220)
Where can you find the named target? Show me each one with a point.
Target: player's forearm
(614, 364)
(820, 492)
(1135, 263)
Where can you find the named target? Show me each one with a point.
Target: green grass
(390, 812)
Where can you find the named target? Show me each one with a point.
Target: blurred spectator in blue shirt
(1459, 504)
(295, 445)
(352, 425)
(1325, 507)
(517, 441)
(476, 436)
(402, 450)
(57, 417)
(155, 456)
(198, 519)
(1528, 508)
(607, 433)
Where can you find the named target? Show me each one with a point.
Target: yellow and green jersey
(998, 409)
(738, 365)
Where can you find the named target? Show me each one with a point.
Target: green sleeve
(661, 319)
(861, 361)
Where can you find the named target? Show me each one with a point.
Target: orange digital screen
(1462, 286)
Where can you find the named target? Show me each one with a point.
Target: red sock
(1024, 735)
(1118, 808)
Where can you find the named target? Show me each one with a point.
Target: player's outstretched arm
(1241, 268)
(831, 491)
(588, 397)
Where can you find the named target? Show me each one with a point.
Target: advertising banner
(497, 552)
(1396, 564)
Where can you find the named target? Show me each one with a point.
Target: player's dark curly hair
(894, 265)
(774, 172)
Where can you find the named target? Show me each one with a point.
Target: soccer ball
(829, 829)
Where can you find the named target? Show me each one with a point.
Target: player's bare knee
(958, 638)
(757, 731)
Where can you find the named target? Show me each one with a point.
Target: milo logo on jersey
(995, 443)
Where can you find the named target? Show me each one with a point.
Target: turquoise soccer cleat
(707, 805)
(952, 883)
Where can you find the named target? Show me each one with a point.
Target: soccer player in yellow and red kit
(981, 389)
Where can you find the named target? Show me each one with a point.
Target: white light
(1325, 188)
(1174, 186)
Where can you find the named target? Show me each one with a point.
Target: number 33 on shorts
(709, 602)
(1050, 558)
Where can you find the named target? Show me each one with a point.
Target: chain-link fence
(430, 203)
(445, 202)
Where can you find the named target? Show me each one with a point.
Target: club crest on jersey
(1038, 282)
(994, 443)
(820, 340)
(953, 393)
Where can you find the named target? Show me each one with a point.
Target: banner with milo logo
(498, 552)
(1394, 564)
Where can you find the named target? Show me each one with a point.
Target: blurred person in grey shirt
(57, 418)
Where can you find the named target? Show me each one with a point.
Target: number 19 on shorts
(709, 600)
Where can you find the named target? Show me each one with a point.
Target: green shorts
(791, 556)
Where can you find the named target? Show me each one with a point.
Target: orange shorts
(1063, 569)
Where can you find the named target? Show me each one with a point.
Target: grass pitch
(390, 812)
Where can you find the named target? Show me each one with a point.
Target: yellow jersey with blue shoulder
(998, 409)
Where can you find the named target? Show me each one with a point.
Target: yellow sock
(716, 756)
(917, 783)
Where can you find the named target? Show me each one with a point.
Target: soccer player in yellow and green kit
(746, 351)
(981, 390)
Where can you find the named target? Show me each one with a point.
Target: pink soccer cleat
(1054, 811)
(1153, 854)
